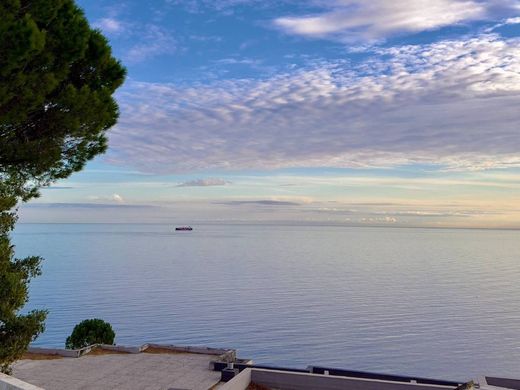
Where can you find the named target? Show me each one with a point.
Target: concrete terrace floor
(153, 371)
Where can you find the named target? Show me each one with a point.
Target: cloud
(110, 25)
(57, 188)
(153, 41)
(206, 38)
(476, 181)
(87, 206)
(453, 103)
(515, 20)
(204, 183)
(372, 220)
(237, 61)
(112, 198)
(426, 213)
(508, 21)
(226, 6)
(357, 20)
(117, 198)
(263, 202)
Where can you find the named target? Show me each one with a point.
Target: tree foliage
(57, 78)
(89, 332)
(16, 331)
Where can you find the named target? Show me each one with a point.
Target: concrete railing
(10, 383)
(306, 381)
(503, 382)
(381, 377)
(59, 352)
(239, 382)
(227, 355)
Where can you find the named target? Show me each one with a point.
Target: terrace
(150, 366)
(170, 367)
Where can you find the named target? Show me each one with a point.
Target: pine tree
(57, 78)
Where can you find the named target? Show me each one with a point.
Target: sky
(361, 113)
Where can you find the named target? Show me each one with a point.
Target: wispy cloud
(452, 103)
(206, 38)
(57, 188)
(508, 21)
(209, 182)
(86, 206)
(237, 61)
(262, 202)
(426, 213)
(152, 41)
(226, 6)
(110, 25)
(356, 20)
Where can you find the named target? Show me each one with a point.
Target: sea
(439, 303)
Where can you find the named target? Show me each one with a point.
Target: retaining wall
(10, 383)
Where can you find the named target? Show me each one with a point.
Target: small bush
(88, 332)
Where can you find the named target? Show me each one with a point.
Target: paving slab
(140, 371)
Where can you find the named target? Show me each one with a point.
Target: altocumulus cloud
(153, 41)
(452, 103)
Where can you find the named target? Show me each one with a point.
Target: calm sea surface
(429, 302)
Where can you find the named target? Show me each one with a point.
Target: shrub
(88, 332)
